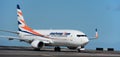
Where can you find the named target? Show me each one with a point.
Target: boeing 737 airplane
(73, 39)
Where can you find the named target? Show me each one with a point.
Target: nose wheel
(58, 49)
(80, 49)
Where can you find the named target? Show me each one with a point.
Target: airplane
(72, 39)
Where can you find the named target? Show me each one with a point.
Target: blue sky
(83, 15)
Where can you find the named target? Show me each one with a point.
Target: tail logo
(22, 26)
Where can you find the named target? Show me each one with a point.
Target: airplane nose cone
(86, 40)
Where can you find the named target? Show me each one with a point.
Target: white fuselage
(70, 38)
(39, 38)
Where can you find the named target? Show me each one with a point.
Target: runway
(12, 51)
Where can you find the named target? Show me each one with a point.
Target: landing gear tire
(81, 49)
(58, 49)
(78, 50)
(36, 49)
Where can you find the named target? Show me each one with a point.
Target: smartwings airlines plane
(72, 39)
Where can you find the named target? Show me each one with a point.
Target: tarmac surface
(13, 51)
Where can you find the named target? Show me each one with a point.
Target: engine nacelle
(72, 48)
(37, 44)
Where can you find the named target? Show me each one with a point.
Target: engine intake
(37, 44)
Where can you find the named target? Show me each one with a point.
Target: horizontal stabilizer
(14, 32)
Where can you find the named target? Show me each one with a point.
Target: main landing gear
(58, 49)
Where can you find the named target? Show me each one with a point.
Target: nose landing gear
(80, 49)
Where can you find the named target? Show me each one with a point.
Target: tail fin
(22, 26)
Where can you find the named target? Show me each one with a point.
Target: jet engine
(37, 44)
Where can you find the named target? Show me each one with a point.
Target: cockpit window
(81, 35)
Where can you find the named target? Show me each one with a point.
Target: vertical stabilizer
(22, 26)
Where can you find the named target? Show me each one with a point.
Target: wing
(92, 38)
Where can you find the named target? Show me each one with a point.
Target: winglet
(18, 7)
(96, 35)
